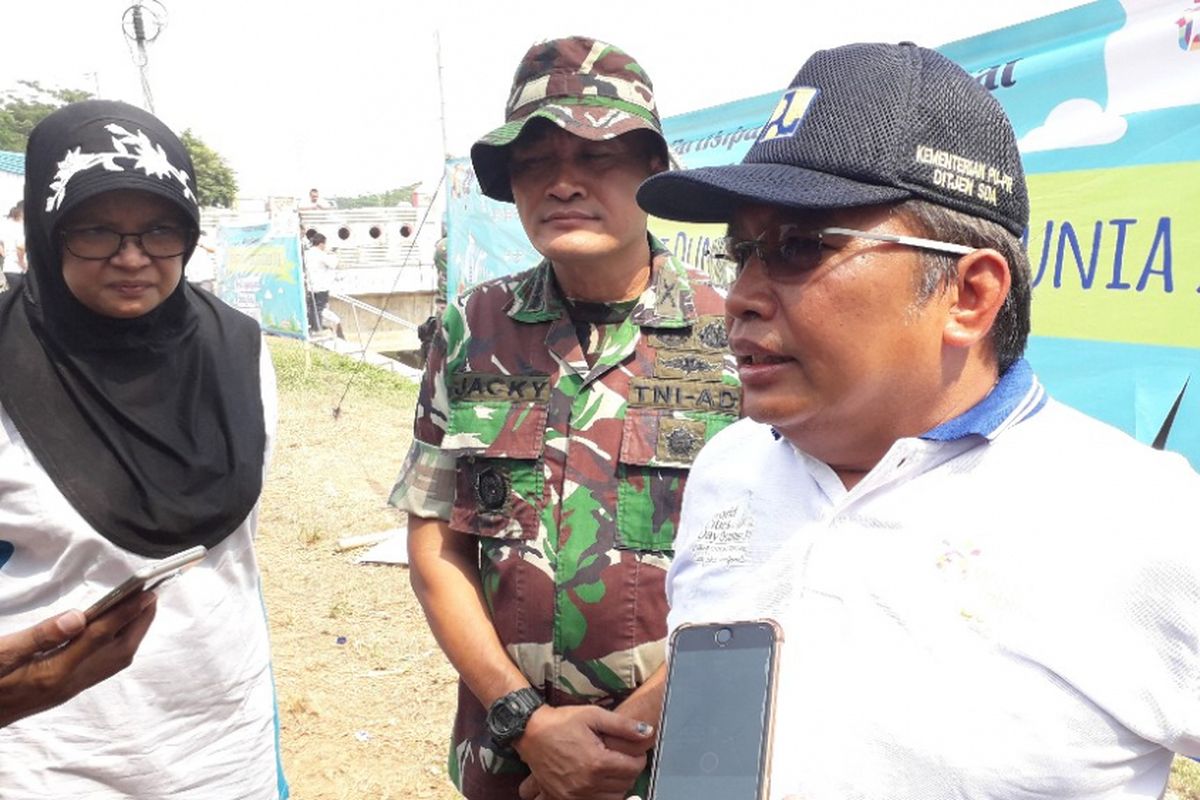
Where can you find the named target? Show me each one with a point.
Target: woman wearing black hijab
(134, 420)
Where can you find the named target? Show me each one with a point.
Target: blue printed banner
(1105, 101)
(484, 238)
(262, 277)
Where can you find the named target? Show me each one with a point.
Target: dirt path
(368, 718)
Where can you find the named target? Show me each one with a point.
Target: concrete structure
(383, 323)
(12, 179)
(385, 280)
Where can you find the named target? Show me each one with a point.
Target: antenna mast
(142, 23)
(437, 38)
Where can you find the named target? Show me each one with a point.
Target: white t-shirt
(1012, 613)
(202, 266)
(320, 265)
(194, 717)
(12, 234)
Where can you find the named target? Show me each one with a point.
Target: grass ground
(1185, 780)
(365, 695)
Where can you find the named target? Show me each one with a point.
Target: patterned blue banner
(262, 277)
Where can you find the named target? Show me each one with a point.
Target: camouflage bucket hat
(586, 87)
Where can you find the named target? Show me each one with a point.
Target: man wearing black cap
(560, 412)
(983, 593)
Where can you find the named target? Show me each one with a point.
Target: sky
(344, 96)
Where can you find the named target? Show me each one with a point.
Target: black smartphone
(714, 737)
(146, 579)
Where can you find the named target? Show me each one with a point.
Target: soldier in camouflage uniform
(441, 256)
(560, 411)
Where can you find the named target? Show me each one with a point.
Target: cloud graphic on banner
(1077, 122)
(475, 263)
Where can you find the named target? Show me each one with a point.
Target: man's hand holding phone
(718, 710)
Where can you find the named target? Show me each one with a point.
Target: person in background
(306, 238)
(12, 245)
(984, 593)
(441, 259)
(559, 415)
(319, 265)
(136, 415)
(202, 267)
(315, 202)
(428, 330)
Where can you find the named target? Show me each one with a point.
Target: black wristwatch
(507, 717)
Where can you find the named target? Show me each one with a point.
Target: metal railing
(357, 305)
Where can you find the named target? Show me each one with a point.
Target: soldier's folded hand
(565, 748)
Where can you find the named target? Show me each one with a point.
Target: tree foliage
(216, 183)
(21, 112)
(393, 197)
(22, 109)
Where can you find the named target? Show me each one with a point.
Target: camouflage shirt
(569, 465)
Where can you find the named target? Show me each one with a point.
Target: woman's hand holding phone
(53, 661)
(48, 664)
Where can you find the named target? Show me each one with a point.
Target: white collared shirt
(1009, 608)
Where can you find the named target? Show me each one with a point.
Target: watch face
(506, 718)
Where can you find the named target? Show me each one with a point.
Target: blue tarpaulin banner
(261, 276)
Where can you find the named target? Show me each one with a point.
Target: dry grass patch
(1185, 780)
(370, 717)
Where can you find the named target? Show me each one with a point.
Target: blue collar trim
(1016, 396)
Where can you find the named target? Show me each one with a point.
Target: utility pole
(95, 76)
(142, 23)
(437, 39)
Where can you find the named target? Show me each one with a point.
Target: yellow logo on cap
(785, 119)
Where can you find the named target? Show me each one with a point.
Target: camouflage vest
(570, 468)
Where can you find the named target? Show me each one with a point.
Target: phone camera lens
(722, 636)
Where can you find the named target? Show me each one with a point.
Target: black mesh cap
(861, 125)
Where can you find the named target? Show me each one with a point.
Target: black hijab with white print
(152, 427)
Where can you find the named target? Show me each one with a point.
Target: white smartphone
(146, 578)
(714, 737)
